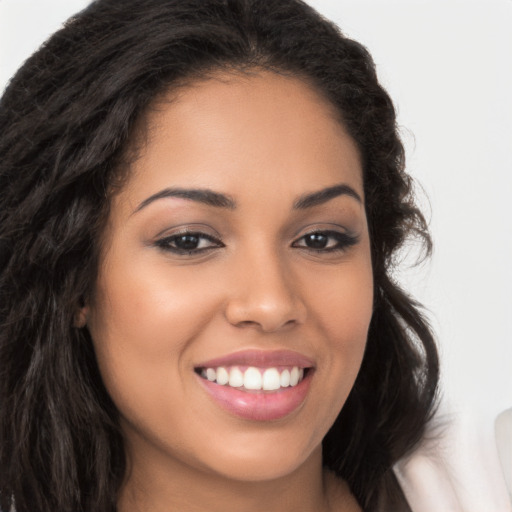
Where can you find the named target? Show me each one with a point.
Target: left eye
(325, 241)
(182, 243)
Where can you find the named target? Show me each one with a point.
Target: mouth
(255, 385)
(254, 379)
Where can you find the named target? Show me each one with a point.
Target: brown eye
(325, 241)
(316, 240)
(188, 243)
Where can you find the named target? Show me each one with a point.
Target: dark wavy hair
(67, 125)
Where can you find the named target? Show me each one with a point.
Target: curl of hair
(67, 119)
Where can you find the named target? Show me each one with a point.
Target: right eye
(326, 241)
(188, 243)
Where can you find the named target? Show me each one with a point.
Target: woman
(201, 204)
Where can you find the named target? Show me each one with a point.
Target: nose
(265, 295)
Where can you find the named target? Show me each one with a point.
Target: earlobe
(81, 317)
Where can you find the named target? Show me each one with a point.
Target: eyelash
(343, 241)
(165, 243)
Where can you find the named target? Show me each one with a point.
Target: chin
(258, 467)
(266, 455)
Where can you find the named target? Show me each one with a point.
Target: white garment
(504, 442)
(457, 467)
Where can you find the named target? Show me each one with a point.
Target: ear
(81, 317)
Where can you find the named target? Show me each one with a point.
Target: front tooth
(236, 378)
(285, 378)
(211, 374)
(294, 376)
(222, 376)
(271, 379)
(252, 378)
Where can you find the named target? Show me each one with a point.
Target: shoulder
(457, 467)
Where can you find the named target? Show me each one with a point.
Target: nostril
(267, 317)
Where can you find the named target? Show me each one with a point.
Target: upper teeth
(253, 378)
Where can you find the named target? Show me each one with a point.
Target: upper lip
(260, 358)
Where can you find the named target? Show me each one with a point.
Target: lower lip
(259, 406)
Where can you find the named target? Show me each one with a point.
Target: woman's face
(236, 258)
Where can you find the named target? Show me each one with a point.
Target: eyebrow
(324, 195)
(205, 196)
(219, 200)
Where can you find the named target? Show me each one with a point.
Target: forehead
(236, 131)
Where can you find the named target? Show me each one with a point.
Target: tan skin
(252, 281)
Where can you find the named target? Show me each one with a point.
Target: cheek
(142, 321)
(342, 301)
(144, 308)
(341, 304)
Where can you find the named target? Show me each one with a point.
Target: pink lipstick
(257, 385)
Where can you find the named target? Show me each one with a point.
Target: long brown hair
(66, 122)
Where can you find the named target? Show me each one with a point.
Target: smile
(254, 379)
(256, 385)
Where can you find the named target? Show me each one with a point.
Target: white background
(448, 66)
